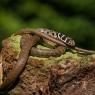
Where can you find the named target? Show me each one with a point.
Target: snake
(29, 41)
(56, 37)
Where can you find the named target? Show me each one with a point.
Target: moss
(82, 59)
(15, 42)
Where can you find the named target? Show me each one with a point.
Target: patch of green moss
(85, 60)
(15, 42)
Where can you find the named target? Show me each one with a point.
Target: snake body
(56, 37)
(47, 52)
(51, 35)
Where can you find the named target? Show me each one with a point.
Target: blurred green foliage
(75, 18)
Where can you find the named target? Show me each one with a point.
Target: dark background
(75, 18)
